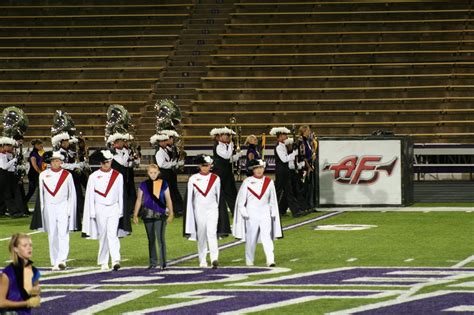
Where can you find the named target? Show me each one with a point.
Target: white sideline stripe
(469, 284)
(460, 308)
(464, 262)
(399, 209)
(235, 243)
(8, 238)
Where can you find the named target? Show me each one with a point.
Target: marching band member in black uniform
(283, 185)
(224, 157)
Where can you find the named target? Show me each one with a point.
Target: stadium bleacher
(345, 68)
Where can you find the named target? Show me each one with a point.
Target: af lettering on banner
(360, 172)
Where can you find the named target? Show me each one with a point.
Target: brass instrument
(135, 150)
(181, 153)
(236, 140)
(295, 146)
(83, 153)
(264, 142)
(20, 163)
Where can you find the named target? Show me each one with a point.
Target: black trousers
(285, 193)
(172, 178)
(228, 193)
(155, 230)
(13, 194)
(33, 180)
(310, 189)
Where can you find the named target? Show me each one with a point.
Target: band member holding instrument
(223, 161)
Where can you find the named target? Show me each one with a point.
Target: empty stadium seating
(82, 56)
(343, 67)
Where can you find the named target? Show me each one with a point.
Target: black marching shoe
(116, 266)
(151, 267)
(215, 264)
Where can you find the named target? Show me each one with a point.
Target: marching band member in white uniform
(202, 211)
(256, 216)
(103, 209)
(58, 208)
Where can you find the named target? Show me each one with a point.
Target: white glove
(301, 165)
(14, 160)
(21, 167)
(181, 163)
(174, 163)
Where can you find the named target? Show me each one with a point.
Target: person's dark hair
(36, 141)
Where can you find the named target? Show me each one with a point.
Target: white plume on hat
(56, 140)
(118, 136)
(158, 137)
(261, 163)
(7, 141)
(289, 141)
(57, 155)
(221, 131)
(73, 139)
(278, 130)
(107, 154)
(169, 133)
(208, 159)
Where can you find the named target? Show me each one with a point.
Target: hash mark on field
(409, 259)
(351, 259)
(294, 259)
(237, 260)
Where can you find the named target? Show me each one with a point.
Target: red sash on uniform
(266, 182)
(61, 180)
(113, 177)
(209, 185)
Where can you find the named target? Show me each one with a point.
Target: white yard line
(8, 238)
(464, 262)
(399, 209)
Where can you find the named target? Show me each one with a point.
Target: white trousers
(206, 221)
(109, 243)
(258, 226)
(55, 216)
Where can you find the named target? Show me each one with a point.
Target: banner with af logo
(363, 171)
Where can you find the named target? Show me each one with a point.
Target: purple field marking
(369, 276)
(238, 301)
(177, 275)
(439, 302)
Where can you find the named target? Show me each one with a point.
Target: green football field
(402, 241)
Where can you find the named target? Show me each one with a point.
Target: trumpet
(236, 140)
(181, 153)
